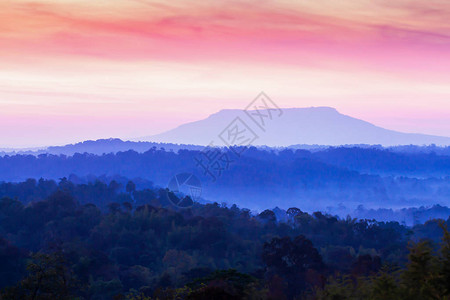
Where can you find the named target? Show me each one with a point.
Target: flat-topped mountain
(313, 125)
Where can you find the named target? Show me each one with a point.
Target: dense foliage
(104, 241)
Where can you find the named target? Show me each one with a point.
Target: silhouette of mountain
(313, 126)
(301, 128)
(99, 147)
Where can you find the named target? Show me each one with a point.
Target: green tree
(385, 285)
(420, 277)
(444, 261)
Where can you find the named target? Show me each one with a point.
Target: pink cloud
(236, 30)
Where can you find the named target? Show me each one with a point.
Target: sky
(72, 70)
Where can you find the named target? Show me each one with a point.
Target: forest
(97, 240)
(259, 178)
(224, 150)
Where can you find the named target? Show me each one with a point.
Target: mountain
(313, 126)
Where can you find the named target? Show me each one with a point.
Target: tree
(419, 278)
(293, 212)
(366, 265)
(268, 216)
(128, 206)
(385, 285)
(113, 207)
(444, 260)
(294, 260)
(11, 262)
(48, 278)
(131, 187)
(224, 284)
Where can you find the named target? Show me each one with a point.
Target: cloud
(154, 30)
(179, 55)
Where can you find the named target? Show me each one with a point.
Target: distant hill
(312, 126)
(99, 147)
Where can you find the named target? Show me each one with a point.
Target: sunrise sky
(72, 70)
